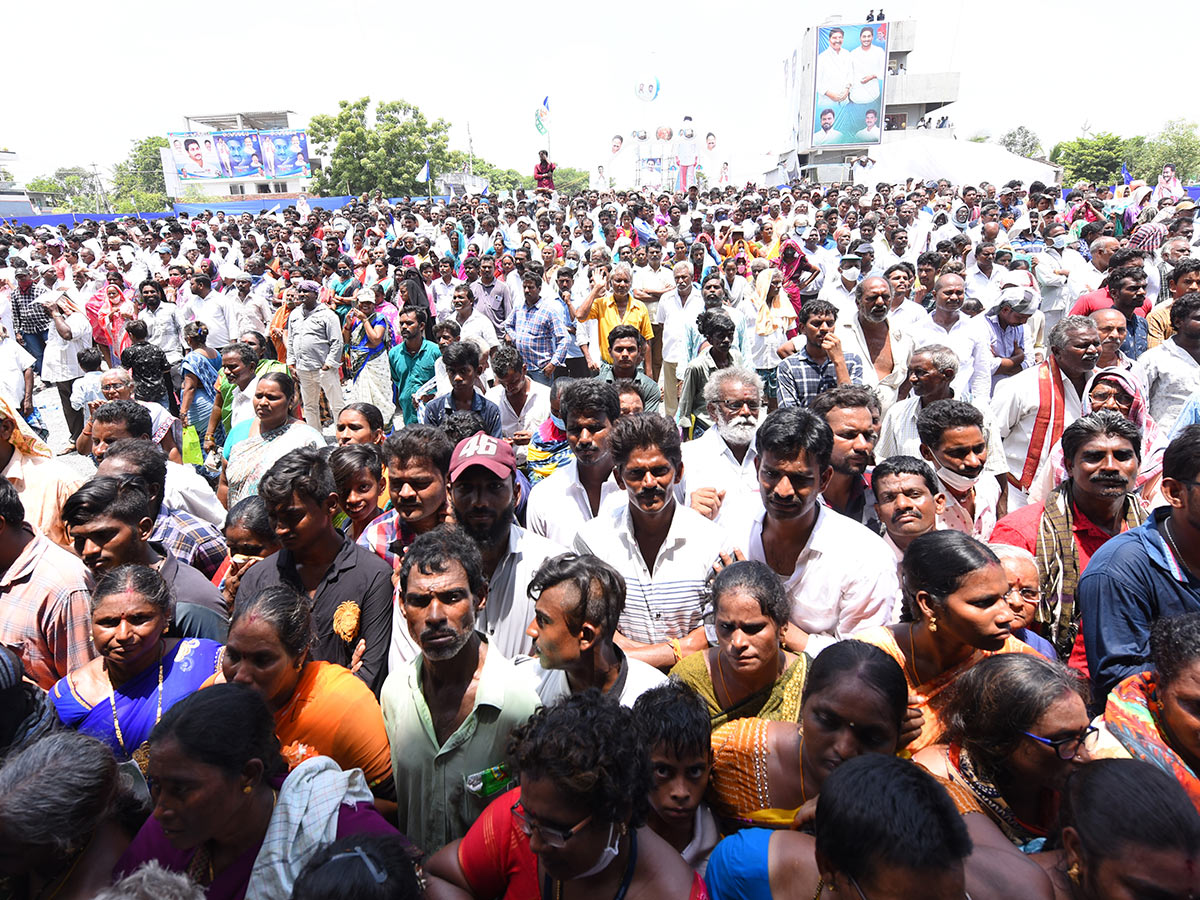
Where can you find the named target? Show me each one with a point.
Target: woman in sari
(320, 709)
(794, 264)
(1124, 823)
(1016, 728)
(748, 673)
(66, 815)
(138, 673)
(343, 286)
(774, 319)
(277, 327)
(254, 445)
(769, 774)
(1152, 715)
(368, 336)
(228, 813)
(200, 368)
(957, 592)
(585, 793)
(1121, 391)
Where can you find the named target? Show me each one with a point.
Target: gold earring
(932, 624)
(247, 789)
(1073, 873)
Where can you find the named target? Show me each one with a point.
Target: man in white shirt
(1052, 268)
(69, 333)
(868, 62)
(213, 309)
(443, 287)
(967, 337)
(663, 549)
(524, 404)
(677, 309)
(1171, 371)
(473, 324)
(583, 488)
(719, 477)
(982, 280)
(826, 133)
(841, 577)
(835, 70)
(1032, 407)
(840, 286)
(650, 283)
(254, 311)
(579, 602)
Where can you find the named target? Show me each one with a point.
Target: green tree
(1094, 159)
(570, 180)
(1177, 144)
(387, 155)
(137, 182)
(980, 137)
(1021, 141)
(77, 186)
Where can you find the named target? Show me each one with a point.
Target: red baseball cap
(481, 449)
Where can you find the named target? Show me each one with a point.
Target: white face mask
(851, 274)
(607, 855)
(955, 480)
(1060, 242)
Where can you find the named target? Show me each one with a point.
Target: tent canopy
(963, 162)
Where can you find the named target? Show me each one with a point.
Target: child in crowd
(86, 390)
(674, 725)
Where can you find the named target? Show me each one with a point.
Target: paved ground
(59, 439)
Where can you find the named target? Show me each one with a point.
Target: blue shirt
(440, 407)
(1130, 582)
(801, 379)
(1137, 337)
(410, 371)
(540, 333)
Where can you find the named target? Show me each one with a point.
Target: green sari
(780, 702)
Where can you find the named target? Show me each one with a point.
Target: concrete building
(238, 187)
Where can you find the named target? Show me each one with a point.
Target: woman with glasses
(1016, 728)
(957, 593)
(1024, 595)
(748, 672)
(1127, 830)
(1155, 715)
(576, 827)
(1120, 391)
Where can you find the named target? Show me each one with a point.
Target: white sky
(96, 76)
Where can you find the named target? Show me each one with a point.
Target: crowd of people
(745, 543)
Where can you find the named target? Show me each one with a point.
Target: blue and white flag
(423, 175)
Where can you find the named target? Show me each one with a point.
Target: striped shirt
(669, 601)
(45, 613)
(540, 333)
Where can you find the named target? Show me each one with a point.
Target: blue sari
(738, 867)
(205, 371)
(185, 667)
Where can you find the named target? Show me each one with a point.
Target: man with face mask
(840, 285)
(719, 479)
(955, 444)
(1102, 452)
(448, 713)
(872, 336)
(1052, 268)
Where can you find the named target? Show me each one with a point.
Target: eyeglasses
(1029, 595)
(553, 837)
(734, 406)
(1068, 748)
(863, 896)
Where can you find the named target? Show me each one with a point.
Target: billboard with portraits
(219, 155)
(848, 85)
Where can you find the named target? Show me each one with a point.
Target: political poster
(849, 76)
(285, 153)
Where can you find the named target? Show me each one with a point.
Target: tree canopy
(1021, 141)
(1094, 159)
(137, 182)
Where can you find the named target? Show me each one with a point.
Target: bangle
(677, 649)
(208, 437)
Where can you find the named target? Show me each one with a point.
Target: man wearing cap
(1006, 325)
(314, 337)
(484, 494)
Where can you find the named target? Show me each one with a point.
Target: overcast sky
(93, 77)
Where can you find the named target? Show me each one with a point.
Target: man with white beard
(719, 480)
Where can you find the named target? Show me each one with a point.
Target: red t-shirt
(1101, 299)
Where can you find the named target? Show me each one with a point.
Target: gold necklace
(1174, 549)
(142, 754)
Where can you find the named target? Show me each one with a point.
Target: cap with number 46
(482, 450)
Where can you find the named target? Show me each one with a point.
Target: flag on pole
(1126, 174)
(423, 175)
(541, 117)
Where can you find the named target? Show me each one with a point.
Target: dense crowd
(744, 543)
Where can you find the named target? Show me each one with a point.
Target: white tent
(962, 162)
